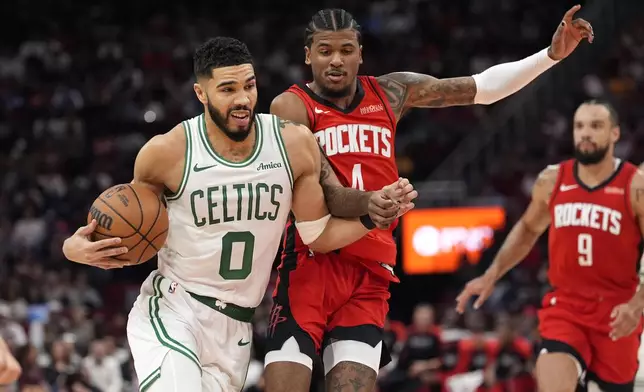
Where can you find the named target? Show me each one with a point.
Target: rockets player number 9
(585, 249)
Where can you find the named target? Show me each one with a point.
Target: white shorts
(165, 317)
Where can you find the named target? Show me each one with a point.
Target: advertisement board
(435, 240)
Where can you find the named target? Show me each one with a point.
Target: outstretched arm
(528, 229)
(517, 244)
(406, 90)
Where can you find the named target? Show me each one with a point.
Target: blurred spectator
(103, 370)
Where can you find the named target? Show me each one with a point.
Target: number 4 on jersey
(585, 249)
(356, 177)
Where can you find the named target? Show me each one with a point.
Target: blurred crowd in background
(84, 85)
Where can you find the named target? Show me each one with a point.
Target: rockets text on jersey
(594, 238)
(358, 142)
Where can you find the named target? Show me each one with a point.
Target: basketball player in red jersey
(591, 321)
(337, 302)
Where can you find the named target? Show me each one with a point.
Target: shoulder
(171, 143)
(294, 133)
(161, 154)
(545, 183)
(301, 147)
(290, 106)
(637, 191)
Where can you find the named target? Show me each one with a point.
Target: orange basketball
(134, 213)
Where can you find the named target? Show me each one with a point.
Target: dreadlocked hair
(330, 19)
(220, 52)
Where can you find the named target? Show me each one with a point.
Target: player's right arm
(318, 229)
(518, 243)
(148, 170)
(341, 201)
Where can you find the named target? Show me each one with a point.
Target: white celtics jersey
(227, 218)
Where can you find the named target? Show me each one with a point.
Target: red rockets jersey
(359, 144)
(594, 238)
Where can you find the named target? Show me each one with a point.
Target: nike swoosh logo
(319, 111)
(198, 169)
(242, 343)
(564, 188)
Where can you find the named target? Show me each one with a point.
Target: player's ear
(201, 93)
(615, 133)
(307, 55)
(360, 53)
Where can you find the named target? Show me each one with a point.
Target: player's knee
(352, 351)
(177, 373)
(361, 377)
(558, 372)
(287, 376)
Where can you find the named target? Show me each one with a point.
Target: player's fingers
(463, 298)
(583, 23)
(87, 230)
(103, 254)
(379, 214)
(405, 208)
(408, 197)
(570, 13)
(381, 202)
(393, 194)
(107, 263)
(108, 242)
(403, 182)
(482, 298)
(406, 189)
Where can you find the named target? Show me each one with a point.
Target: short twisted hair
(330, 19)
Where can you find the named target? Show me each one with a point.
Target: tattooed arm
(342, 202)
(406, 90)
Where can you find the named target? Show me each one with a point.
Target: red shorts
(580, 327)
(324, 298)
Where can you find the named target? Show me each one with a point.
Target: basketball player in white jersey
(230, 178)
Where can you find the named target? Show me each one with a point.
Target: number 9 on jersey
(585, 249)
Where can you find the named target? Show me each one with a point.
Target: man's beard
(329, 93)
(222, 122)
(590, 157)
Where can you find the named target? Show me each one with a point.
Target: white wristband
(312, 230)
(502, 80)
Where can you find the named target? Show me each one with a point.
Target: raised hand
(568, 35)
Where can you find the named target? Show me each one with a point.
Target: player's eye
(250, 86)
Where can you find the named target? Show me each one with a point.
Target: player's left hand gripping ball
(625, 319)
(568, 35)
